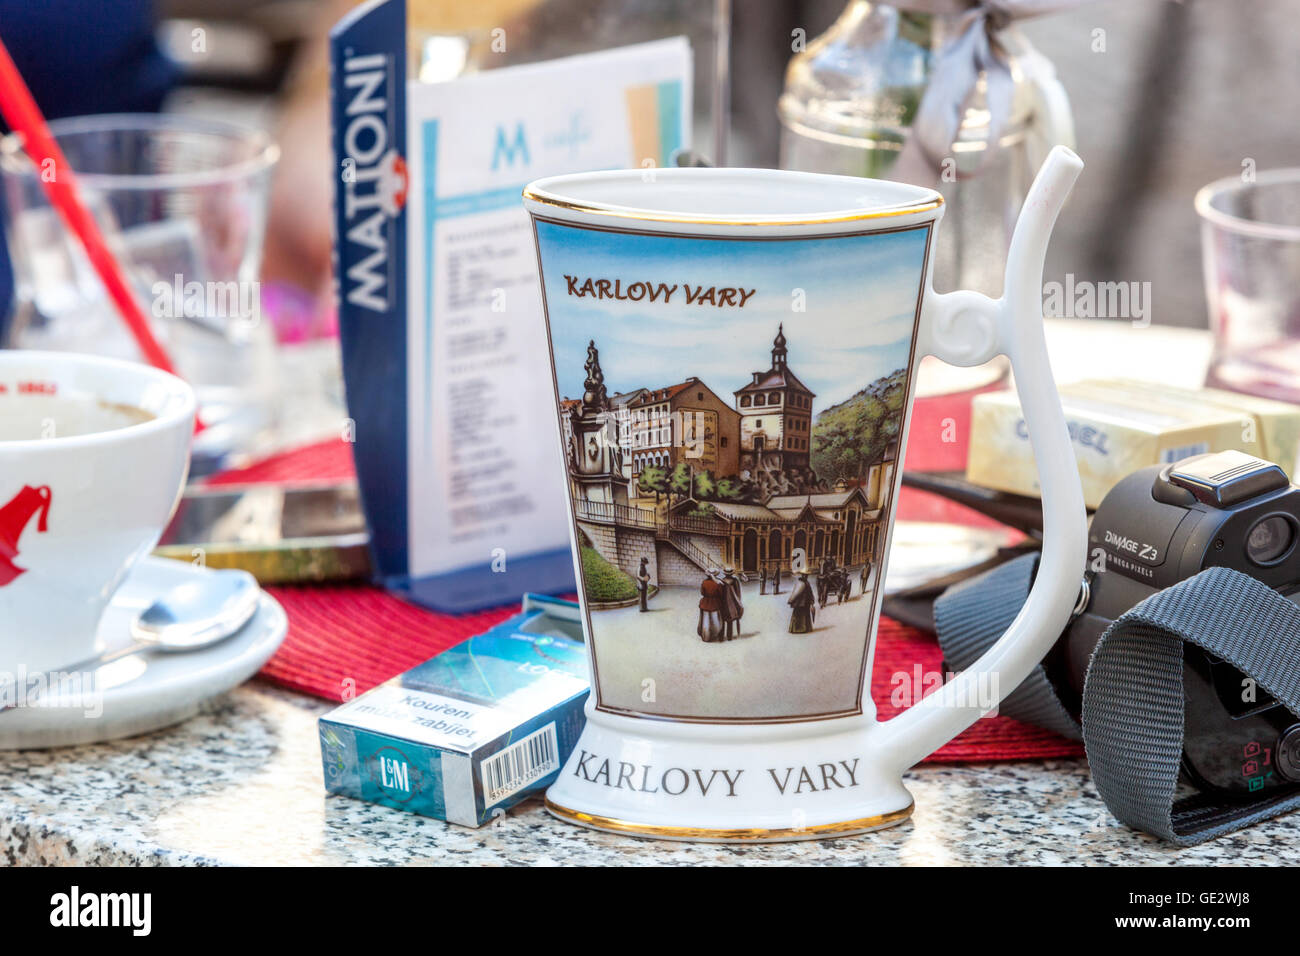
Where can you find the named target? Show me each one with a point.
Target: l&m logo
(375, 180)
(391, 771)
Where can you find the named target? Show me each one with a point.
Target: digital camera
(1162, 525)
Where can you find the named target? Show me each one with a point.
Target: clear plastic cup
(1250, 247)
(183, 204)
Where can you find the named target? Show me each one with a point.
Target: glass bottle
(850, 100)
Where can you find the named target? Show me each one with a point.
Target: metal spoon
(198, 613)
(190, 616)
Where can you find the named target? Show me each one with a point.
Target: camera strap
(1133, 700)
(970, 616)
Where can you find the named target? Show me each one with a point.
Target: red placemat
(345, 639)
(323, 461)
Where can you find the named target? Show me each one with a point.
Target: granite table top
(241, 784)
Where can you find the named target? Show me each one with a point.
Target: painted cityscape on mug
(731, 413)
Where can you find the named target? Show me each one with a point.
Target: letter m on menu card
(509, 149)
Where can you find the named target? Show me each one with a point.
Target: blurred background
(1163, 98)
(1167, 97)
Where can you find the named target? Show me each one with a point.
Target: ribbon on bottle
(974, 49)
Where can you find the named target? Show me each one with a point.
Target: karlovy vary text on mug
(661, 292)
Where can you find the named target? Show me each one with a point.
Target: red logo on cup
(14, 518)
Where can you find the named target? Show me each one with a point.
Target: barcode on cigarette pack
(1171, 455)
(522, 763)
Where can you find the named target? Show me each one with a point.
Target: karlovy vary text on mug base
(734, 355)
(827, 795)
(719, 789)
(675, 781)
(788, 779)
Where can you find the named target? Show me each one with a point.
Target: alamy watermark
(1083, 299)
(908, 687)
(213, 302)
(72, 690)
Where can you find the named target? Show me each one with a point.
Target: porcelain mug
(93, 458)
(735, 355)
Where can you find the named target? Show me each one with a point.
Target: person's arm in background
(298, 236)
(81, 57)
(298, 240)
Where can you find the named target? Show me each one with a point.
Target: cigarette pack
(472, 731)
(1119, 426)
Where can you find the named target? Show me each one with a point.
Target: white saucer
(146, 691)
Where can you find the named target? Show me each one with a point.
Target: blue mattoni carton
(471, 731)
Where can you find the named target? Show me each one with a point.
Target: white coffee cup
(94, 454)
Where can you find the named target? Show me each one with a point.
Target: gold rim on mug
(649, 215)
(880, 821)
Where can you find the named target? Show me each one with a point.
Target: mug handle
(966, 328)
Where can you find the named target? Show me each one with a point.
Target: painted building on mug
(683, 422)
(845, 526)
(775, 417)
(589, 429)
(621, 425)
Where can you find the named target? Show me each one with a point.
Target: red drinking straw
(24, 116)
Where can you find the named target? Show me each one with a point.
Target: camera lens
(1271, 538)
(1288, 754)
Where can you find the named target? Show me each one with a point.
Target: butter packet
(472, 731)
(1276, 423)
(1115, 427)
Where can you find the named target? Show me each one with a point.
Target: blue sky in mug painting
(778, 652)
(860, 301)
